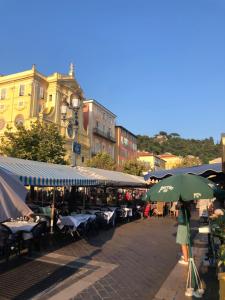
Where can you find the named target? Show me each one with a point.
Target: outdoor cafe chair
(159, 210)
(9, 242)
(33, 237)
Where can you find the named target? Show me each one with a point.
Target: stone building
(29, 96)
(126, 146)
(99, 122)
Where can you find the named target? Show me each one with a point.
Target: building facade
(126, 146)
(29, 96)
(153, 161)
(99, 123)
(171, 161)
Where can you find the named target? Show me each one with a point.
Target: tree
(41, 142)
(163, 133)
(174, 134)
(102, 161)
(135, 167)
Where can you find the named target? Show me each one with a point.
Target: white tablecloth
(20, 225)
(127, 212)
(75, 220)
(106, 213)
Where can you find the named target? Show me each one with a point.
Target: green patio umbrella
(184, 187)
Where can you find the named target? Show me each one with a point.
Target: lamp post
(72, 127)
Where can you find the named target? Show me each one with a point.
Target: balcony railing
(103, 134)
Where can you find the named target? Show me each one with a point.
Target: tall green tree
(135, 167)
(40, 142)
(102, 161)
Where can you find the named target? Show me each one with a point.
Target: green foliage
(101, 161)
(135, 167)
(42, 142)
(205, 149)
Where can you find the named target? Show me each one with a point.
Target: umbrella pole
(193, 280)
(52, 212)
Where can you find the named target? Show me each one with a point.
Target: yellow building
(172, 161)
(154, 161)
(29, 96)
(216, 160)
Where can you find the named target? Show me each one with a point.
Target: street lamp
(73, 105)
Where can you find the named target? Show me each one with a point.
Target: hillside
(161, 143)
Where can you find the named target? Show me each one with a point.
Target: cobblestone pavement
(144, 251)
(131, 261)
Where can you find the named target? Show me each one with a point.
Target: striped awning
(45, 174)
(202, 170)
(113, 178)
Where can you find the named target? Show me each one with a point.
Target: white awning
(113, 178)
(45, 174)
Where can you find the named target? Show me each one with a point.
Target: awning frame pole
(52, 212)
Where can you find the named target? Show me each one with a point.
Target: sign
(76, 147)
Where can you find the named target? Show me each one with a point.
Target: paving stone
(144, 253)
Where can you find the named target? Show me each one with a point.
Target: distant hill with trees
(173, 143)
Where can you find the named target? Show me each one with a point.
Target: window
(3, 94)
(82, 159)
(50, 97)
(19, 120)
(20, 103)
(2, 107)
(97, 124)
(2, 124)
(41, 93)
(22, 90)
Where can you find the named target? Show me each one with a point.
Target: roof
(123, 128)
(167, 155)
(113, 178)
(145, 153)
(216, 160)
(206, 170)
(100, 105)
(45, 174)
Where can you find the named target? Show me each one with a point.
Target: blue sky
(158, 65)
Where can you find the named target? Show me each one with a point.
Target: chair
(33, 237)
(173, 210)
(9, 242)
(159, 210)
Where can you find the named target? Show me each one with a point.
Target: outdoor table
(107, 213)
(75, 220)
(16, 226)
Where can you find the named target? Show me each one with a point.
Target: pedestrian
(182, 231)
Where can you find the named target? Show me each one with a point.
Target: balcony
(104, 135)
